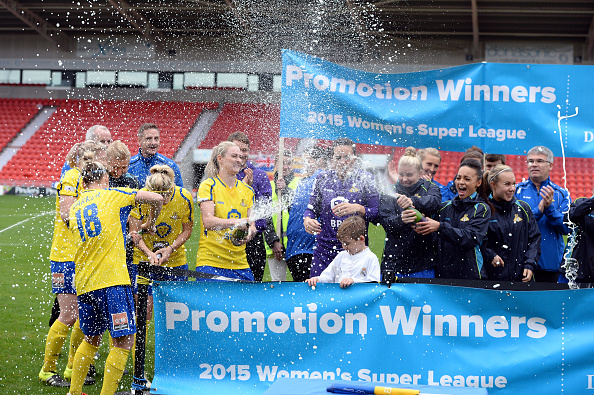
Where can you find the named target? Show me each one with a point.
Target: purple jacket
(327, 192)
(261, 187)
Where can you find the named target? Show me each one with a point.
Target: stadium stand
(15, 114)
(41, 158)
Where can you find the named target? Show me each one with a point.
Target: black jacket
(514, 236)
(405, 251)
(581, 213)
(463, 226)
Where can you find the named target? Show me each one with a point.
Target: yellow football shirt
(98, 221)
(179, 211)
(63, 242)
(215, 248)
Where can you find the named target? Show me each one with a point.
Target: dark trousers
(256, 256)
(299, 266)
(545, 276)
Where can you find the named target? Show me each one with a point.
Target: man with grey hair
(97, 133)
(548, 202)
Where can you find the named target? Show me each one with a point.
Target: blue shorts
(241, 274)
(107, 308)
(63, 277)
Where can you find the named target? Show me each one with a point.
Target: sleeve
(137, 212)
(554, 213)
(269, 233)
(68, 185)
(390, 214)
(580, 208)
(372, 199)
(178, 178)
(471, 235)
(429, 204)
(263, 194)
(329, 274)
(205, 191)
(189, 212)
(487, 253)
(314, 207)
(532, 255)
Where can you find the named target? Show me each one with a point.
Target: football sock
(53, 345)
(76, 338)
(114, 367)
(84, 356)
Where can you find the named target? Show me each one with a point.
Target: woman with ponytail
(512, 246)
(460, 226)
(405, 252)
(225, 206)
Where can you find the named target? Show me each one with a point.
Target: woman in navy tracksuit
(460, 225)
(405, 252)
(581, 213)
(512, 247)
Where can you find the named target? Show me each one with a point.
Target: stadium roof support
(475, 30)
(590, 42)
(139, 22)
(40, 25)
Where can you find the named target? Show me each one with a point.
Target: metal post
(141, 308)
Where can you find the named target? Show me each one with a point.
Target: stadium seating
(69, 123)
(15, 115)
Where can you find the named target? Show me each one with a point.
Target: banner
(502, 108)
(223, 338)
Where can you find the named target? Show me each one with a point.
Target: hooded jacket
(581, 213)
(405, 251)
(513, 235)
(463, 226)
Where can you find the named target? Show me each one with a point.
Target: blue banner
(223, 338)
(502, 108)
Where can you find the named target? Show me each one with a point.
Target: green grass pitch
(26, 228)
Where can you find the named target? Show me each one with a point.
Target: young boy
(356, 263)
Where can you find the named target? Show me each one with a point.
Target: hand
(408, 216)
(277, 249)
(497, 261)
(152, 258)
(165, 254)
(527, 275)
(249, 176)
(426, 176)
(427, 227)
(547, 194)
(149, 228)
(312, 226)
(239, 223)
(280, 184)
(312, 282)
(135, 237)
(404, 201)
(347, 209)
(345, 282)
(393, 171)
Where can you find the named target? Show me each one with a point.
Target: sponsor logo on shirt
(337, 200)
(58, 280)
(517, 219)
(175, 216)
(465, 218)
(354, 189)
(119, 321)
(243, 204)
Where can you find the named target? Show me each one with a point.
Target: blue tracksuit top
(550, 222)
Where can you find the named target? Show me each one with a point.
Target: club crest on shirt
(337, 200)
(417, 195)
(364, 272)
(119, 321)
(465, 218)
(517, 219)
(163, 229)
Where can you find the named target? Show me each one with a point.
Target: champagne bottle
(238, 234)
(419, 217)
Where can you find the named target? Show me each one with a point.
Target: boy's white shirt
(361, 267)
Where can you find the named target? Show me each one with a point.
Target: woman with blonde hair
(62, 268)
(407, 253)
(166, 246)
(225, 206)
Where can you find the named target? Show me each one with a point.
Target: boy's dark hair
(351, 228)
(239, 136)
(495, 158)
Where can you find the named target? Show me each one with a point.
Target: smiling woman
(461, 224)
